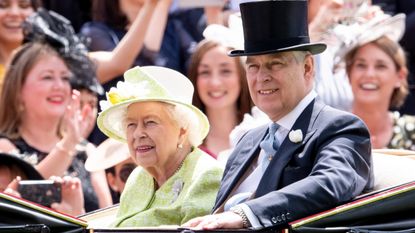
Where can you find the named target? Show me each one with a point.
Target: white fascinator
(351, 36)
(231, 36)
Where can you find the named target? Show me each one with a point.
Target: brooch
(176, 189)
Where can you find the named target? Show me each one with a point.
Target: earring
(180, 146)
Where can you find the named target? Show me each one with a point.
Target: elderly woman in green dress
(175, 181)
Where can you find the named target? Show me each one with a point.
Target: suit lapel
(240, 161)
(271, 177)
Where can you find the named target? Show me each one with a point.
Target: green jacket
(189, 193)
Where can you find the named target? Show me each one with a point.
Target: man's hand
(225, 220)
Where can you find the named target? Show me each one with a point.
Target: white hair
(299, 56)
(187, 119)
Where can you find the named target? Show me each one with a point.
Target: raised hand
(75, 123)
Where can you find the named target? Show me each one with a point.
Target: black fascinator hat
(57, 31)
(275, 26)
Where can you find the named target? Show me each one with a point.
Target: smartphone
(199, 3)
(43, 192)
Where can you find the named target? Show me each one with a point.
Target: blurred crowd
(59, 58)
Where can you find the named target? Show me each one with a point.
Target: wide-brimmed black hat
(275, 26)
(28, 169)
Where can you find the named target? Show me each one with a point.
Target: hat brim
(27, 168)
(391, 27)
(110, 120)
(108, 154)
(313, 48)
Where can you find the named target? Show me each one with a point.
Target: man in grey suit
(311, 157)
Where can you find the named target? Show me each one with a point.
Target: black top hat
(275, 26)
(27, 168)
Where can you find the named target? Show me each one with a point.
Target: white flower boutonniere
(296, 136)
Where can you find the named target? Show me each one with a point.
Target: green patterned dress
(189, 193)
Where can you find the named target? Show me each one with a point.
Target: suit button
(283, 217)
(278, 218)
(287, 216)
(273, 220)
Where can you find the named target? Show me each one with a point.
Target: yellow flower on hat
(115, 98)
(124, 92)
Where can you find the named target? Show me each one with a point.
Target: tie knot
(270, 143)
(273, 127)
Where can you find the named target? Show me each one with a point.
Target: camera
(43, 192)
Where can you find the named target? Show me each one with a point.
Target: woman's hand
(328, 15)
(72, 196)
(75, 123)
(152, 2)
(13, 186)
(89, 115)
(215, 14)
(72, 202)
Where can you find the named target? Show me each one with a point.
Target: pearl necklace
(181, 163)
(178, 168)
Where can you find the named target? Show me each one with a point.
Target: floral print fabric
(403, 132)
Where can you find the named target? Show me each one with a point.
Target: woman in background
(12, 14)
(378, 76)
(41, 117)
(221, 92)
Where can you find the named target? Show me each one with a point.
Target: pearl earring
(180, 146)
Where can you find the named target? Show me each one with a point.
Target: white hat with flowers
(351, 36)
(147, 83)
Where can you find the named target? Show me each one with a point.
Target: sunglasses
(125, 171)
